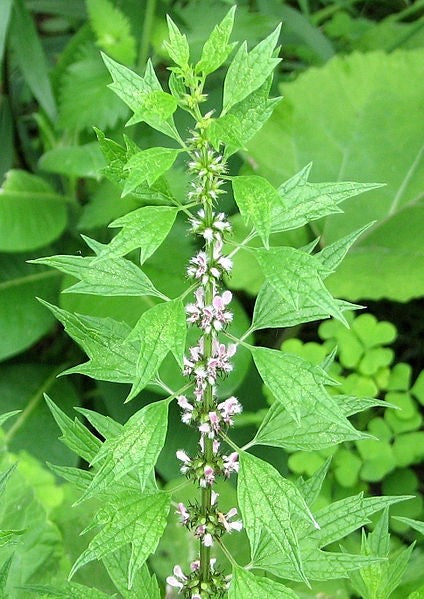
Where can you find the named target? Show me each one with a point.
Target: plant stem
(206, 493)
(146, 34)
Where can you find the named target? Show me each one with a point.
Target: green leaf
(30, 57)
(216, 48)
(32, 214)
(332, 255)
(22, 320)
(346, 515)
(248, 71)
(272, 311)
(145, 228)
(133, 89)
(177, 46)
(311, 487)
(135, 447)
(128, 518)
(298, 386)
(147, 166)
(268, 503)
(116, 276)
(85, 99)
(71, 590)
(240, 124)
(255, 196)
(415, 524)
(315, 431)
(6, 129)
(159, 330)
(145, 586)
(103, 339)
(334, 116)
(156, 107)
(245, 585)
(297, 277)
(7, 415)
(73, 161)
(300, 202)
(75, 435)
(112, 30)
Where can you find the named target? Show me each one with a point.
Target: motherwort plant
(286, 539)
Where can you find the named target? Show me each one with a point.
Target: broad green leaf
(73, 161)
(216, 48)
(156, 107)
(128, 518)
(112, 29)
(22, 387)
(145, 585)
(85, 99)
(249, 70)
(297, 277)
(177, 46)
(135, 447)
(133, 89)
(159, 330)
(335, 116)
(147, 166)
(115, 276)
(22, 320)
(298, 386)
(30, 57)
(32, 214)
(301, 202)
(245, 585)
(105, 425)
(145, 228)
(315, 431)
(268, 503)
(272, 311)
(255, 196)
(346, 515)
(75, 435)
(103, 340)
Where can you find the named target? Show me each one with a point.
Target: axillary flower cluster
(205, 363)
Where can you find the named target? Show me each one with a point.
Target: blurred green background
(352, 77)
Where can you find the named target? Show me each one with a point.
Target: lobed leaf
(254, 196)
(103, 340)
(136, 447)
(249, 70)
(298, 385)
(114, 277)
(311, 487)
(297, 278)
(268, 503)
(145, 585)
(147, 166)
(112, 29)
(301, 202)
(145, 228)
(128, 517)
(216, 48)
(158, 331)
(177, 46)
(71, 590)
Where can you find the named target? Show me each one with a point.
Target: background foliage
(353, 105)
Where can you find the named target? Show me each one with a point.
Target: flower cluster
(205, 363)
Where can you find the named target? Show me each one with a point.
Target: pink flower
(231, 463)
(207, 540)
(177, 581)
(183, 513)
(225, 521)
(229, 408)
